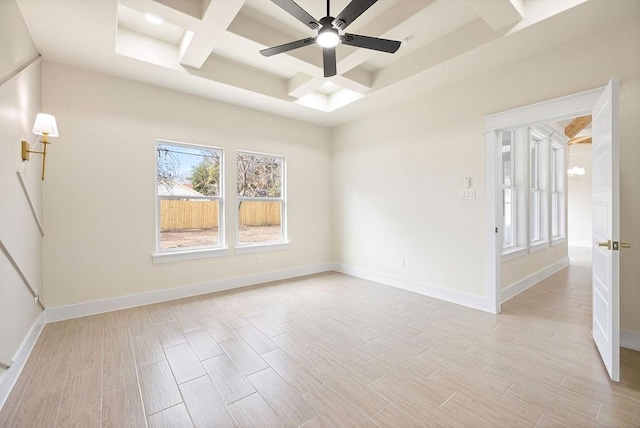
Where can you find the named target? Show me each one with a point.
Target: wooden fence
(259, 213)
(184, 214)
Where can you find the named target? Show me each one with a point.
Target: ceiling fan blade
(299, 13)
(329, 61)
(352, 12)
(383, 45)
(288, 46)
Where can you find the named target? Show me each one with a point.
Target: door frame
(569, 106)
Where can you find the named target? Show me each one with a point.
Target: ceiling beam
(190, 7)
(356, 79)
(223, 71)
(264, 36)
(301, 84)
(577, 125)
(175, 16)
(214, 23)
(498, 14)
(581, 140)
(386, 25)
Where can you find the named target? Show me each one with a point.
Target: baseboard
(523, 284)
(585, 244)
(630, 340)
(60, 313)
(458, 297)
(11, 376)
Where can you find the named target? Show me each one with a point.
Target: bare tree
(259, 176)
(168, 165)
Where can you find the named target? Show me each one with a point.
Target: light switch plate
(468, 194)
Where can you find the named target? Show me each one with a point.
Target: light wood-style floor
(329, 351)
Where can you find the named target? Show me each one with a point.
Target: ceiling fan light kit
(328, 34)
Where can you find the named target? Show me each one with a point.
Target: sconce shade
(45, 123)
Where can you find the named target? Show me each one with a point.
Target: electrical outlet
(401, 263)
(259, 260)
(36, 298)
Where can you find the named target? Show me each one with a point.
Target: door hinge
(496, 230)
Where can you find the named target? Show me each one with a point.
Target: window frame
(283, 243)
(509, 187)
(538, 170)
(519, 205)
(204, 251)
(558, 188)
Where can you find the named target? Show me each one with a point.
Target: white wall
(100, 189)
(397, 174)
(579, 197)
(20, 237)
(16, 47)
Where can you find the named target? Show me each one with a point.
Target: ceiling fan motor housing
(327, 22)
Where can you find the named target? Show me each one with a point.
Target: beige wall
(397, 174)
(20, 237)
(630, 193)
(100, 190)
(515, 270)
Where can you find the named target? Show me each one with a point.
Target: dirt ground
(186, 238)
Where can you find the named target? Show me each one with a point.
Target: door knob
(614, 245)
(607, 244)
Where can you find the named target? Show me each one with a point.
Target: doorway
(579, 198)
(602, 106)
(555, 110)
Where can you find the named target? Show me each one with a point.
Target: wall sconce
(46, 126)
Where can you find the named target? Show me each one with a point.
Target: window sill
(538, 246)
(189, 255)
(259, 248)
(513, 253)
(558, 241)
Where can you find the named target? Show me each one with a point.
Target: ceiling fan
(328, 36)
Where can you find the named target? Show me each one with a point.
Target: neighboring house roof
(176, 189)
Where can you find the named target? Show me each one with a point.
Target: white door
(606, 230)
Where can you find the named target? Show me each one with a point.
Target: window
(531, 164)
(539, 169)
(512, 170)
(261, 199)
(509, 191)
(537, 189)
(557, 192)
(189, 197)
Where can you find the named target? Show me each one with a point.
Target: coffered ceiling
(211, 48)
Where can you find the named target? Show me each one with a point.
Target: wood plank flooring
(329, 351)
